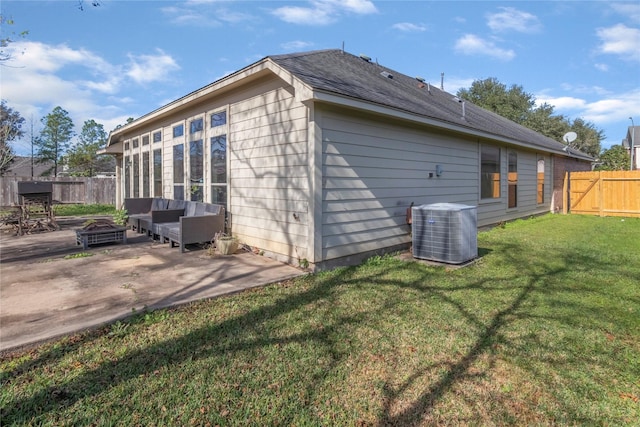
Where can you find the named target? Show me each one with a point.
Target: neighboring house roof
(343, 76)
(626, 142)
(21, 166)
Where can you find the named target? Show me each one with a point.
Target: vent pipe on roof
(428, 87)
(441, 81)
(464, 115)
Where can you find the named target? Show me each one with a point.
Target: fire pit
(100, 231)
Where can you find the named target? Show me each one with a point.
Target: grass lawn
(543, 329)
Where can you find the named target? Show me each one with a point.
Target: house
(633, 139)
(317, 156)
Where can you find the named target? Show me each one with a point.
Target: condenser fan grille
(445, 232)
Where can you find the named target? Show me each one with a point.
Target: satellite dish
(569, 137)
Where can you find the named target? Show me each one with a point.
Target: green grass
(80, 210)
(543, 330)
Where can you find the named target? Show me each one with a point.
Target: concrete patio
(44, 296)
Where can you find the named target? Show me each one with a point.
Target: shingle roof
(342, 73)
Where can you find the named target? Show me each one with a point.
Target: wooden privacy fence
(65, 189)
(604, 193)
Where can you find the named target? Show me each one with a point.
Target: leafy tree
(517, 105)
(615, 158)
(83, 158)
(10, 129)
(54, 138)
(513, 103)
(588, 140)
(5, 41)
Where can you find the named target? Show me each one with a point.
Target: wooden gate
(604, 193)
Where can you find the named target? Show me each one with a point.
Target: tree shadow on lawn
(324, 289)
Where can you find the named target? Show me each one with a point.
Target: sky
(127, 58)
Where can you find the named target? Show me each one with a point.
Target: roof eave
(332, 98)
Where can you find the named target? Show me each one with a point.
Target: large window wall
(196, 152)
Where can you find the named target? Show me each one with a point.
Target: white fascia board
(330, 98)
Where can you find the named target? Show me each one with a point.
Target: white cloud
(41, 77)
(151, 68)
(296, 45)
(620, 40)
(323, 12)
(608, 109)
(511, 19)
(601, 67)
(408, 27)
(630, 10)
(470, 44)
(189, 17)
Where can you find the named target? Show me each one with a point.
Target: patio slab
(44, 296)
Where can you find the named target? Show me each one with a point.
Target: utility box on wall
(445, 232)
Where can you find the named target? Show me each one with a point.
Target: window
(145, 140)
(196, 125)
(513, 180)
(135, 143)
(157, 173)
(178, 131)
(219, 170)
(540, 181)
(196, 171)
(145, 172)
(489, 172)
(178, 172)
(136, 175)
(127, 177)
(157, 136)
(219, 119)
(126, 146)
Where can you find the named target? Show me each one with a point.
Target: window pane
(127, 177)
(157, 136)
(178, 164)
(219, 195)
(178, 131)
(145, 173)
(145, 140)
(219, 159)
(196, 125)
(489, 172)
(541, 181)
(219, 119)
(135, 143)
(196, 170)
(157, 173)
(178, 192)
(136, 175)
(513, 180)
(126, 146)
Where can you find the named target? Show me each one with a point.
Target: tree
(513, 103)
(54, 138)
(519, 106)
(588, 140)
(615, 158)
(5, 41)
(10, 129)
(83, 158)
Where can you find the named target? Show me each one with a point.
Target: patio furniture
(200, 223)
(141, 208)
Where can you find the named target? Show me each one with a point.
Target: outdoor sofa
(179, 222)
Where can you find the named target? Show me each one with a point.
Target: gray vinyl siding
(373, 170)
(269, 173)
